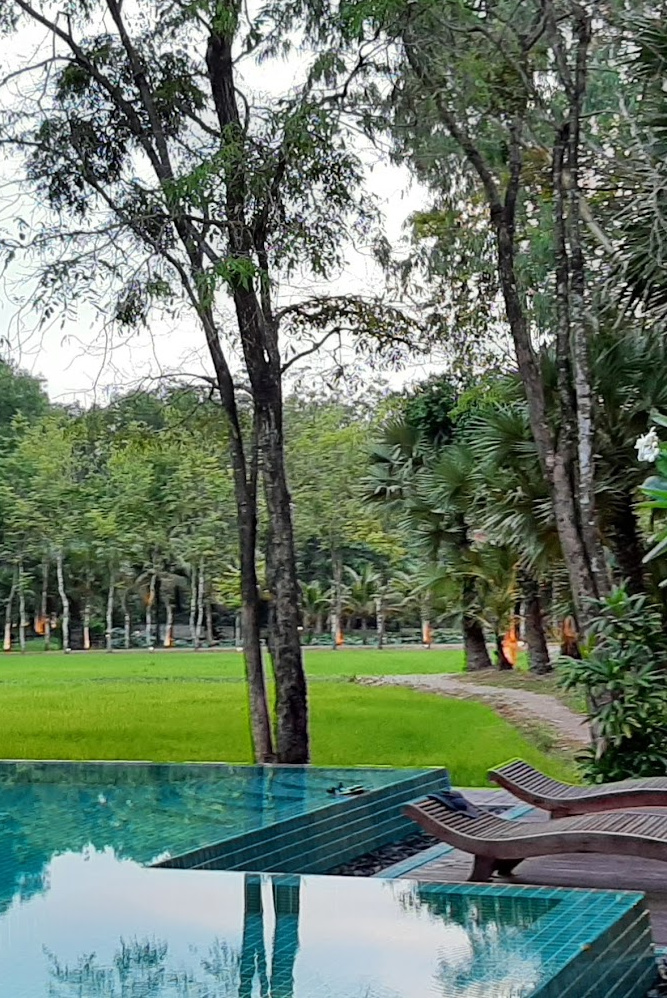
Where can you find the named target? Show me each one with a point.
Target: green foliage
(655, 488)
(623, 675)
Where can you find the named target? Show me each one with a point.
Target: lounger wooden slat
(561, 799)
(498, 845)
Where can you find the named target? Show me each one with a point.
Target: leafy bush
(623, 674)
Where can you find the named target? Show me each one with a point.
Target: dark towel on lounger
(457, 803)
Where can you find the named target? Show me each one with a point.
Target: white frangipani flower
(648, 446)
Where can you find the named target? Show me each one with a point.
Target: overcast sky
(81, 357)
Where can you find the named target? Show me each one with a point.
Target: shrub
(623, 674)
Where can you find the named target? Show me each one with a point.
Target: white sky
(80, 357)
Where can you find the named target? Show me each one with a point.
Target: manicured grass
(171, 707)
(35, 668)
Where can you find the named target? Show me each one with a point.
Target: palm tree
(516, 511)
(315, 603)
(361, 592)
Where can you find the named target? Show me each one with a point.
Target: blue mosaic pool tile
(323, 838)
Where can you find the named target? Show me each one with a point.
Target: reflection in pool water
(106, 928)
(145, 812)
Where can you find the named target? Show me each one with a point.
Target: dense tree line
(163, 183)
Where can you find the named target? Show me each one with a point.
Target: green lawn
(37, 667)
(172, 707)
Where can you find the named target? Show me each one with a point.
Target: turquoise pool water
(84, 911)
(153, 812)
(101, 927)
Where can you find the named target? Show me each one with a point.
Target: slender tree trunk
(22, 618)
(64, 600)
(149, 611)
(364, 631)
(319, 623)
(516, 618)
(44, 604)
(200, 610)
(426, 628)
(210, 638)
(536, 641)
(169, 625)
(292, 745)
(193, 605)
(126, 622)
(7, 645)
(110, 599)
(337, 609)
(380, 620)
(86, 623)
(238, 638)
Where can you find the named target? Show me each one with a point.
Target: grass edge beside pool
(199, 719)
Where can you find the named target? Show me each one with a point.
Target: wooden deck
(582, 871)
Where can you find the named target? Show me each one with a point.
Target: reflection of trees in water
(139, 811)
(495, 928)
(143, 968)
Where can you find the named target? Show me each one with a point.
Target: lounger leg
(507, 866)
(482, 869)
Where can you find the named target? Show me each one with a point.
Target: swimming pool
(153, 813)
(89, 907)
(103, 927)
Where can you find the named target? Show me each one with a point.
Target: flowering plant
(651, 449)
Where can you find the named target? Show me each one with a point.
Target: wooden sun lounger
(499, 845)
(561, 799)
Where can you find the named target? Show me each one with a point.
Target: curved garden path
(569, 726)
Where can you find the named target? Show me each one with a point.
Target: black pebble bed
(383, 857)
(660, 988)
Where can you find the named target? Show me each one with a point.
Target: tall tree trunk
(126, 622)
(380, 620)
(292, 745)
(238, 638)
(502, 206)
(86, 618)
(7, 645)
(169, 624)
(220, 68)
(337, 608)
(64, 600)
(150, 602)
(44, 604)
(536, 641)
(319, 623)
(426, 628)
(22, 618)
(200, 609)
(474, 644)
(110, 599)
(193, 605)
(364, 631)
(210, 638)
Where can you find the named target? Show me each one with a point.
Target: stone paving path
(569, 726)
